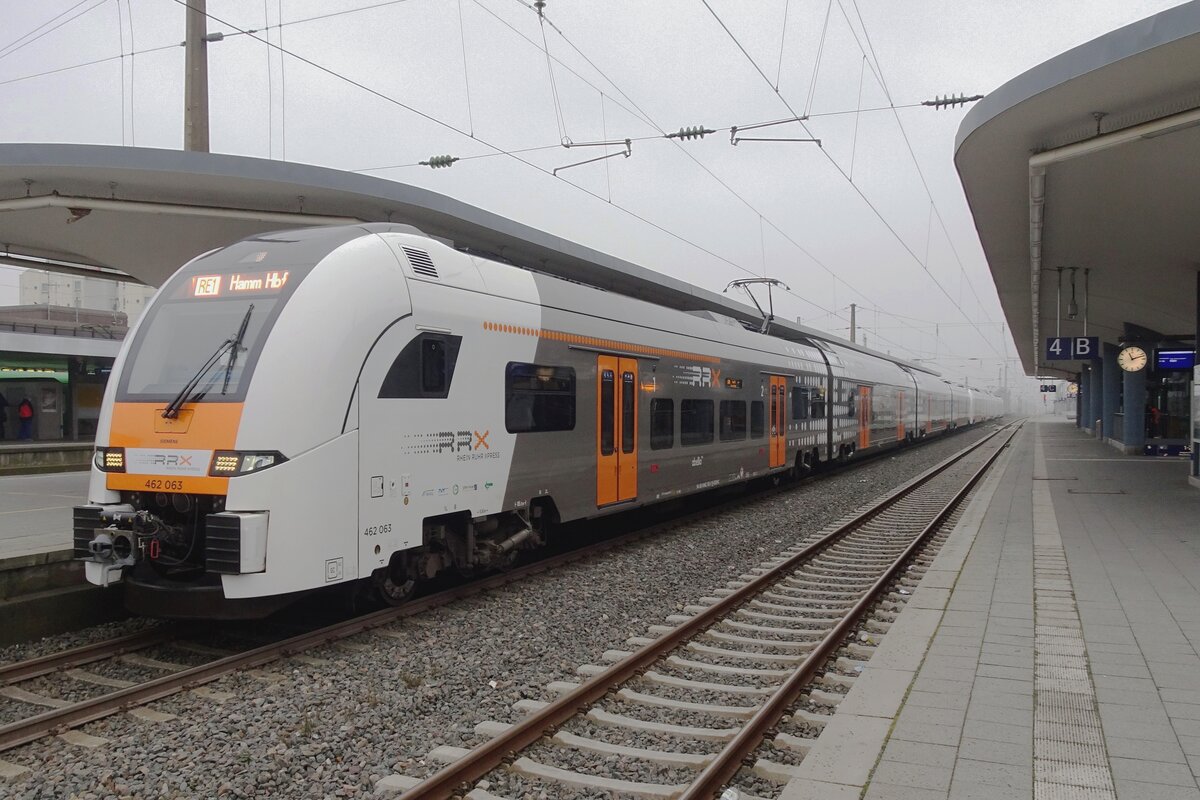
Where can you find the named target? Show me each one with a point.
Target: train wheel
(395, 584)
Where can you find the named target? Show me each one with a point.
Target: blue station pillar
(1135, 411)
(1110, 392)
(1088, 391)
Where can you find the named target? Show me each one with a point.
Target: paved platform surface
(35, 512)
(1051, 651)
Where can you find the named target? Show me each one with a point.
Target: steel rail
(487, 756)
(725, 765)
(62, 719)
(58, 720)
(18, 671)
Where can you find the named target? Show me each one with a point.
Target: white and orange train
(369, 404)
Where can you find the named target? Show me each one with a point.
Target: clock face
(1132, 359)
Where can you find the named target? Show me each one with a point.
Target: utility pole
(195, 91)
(853, 307)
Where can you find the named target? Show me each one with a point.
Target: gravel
(333, 729)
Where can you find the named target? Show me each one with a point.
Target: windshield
(183, 335)
(203, 305)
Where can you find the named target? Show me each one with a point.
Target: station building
(57, 346)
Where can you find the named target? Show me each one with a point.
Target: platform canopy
(139, 214)
(1091, 161)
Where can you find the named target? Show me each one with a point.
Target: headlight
(227, 463)
(109, 459)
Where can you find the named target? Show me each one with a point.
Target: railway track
(62, 716)
(760, 644)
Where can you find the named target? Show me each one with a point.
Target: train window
(608, 407)
(539, 398)
(662, 424)
(695, 422)
(851, 408)
(758, 419)
(424, 368)
(628, 409)
(733, 420)
(799, 402)
(433, 365)
(818, 406)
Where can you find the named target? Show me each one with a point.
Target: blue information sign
(1072, 348)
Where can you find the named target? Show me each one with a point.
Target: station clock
(1132, 359)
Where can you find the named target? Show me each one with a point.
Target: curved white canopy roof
(145, 212)
(1051, 185)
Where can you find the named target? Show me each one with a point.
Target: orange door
(616, 429)
(864, 417)
(778, 421)
(900, 415)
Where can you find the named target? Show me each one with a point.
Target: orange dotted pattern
(591, 341)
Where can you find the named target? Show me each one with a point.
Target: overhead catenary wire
(22, 42)
(877, 70)
(858, 190)
(391, 100)
(646, 118)
(283, 52)
(132, 75)
(121, 48)
(283, 83)
(462, 37)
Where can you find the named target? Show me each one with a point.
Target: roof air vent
(421, 263)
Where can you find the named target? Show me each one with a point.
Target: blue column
(1081, 400)
(1110, 391)
(1135, 411)
(1087, 388)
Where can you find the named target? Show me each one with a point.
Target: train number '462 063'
(377, 530)
(159, 484)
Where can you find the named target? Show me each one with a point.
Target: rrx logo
(170, 460)
(462, 441)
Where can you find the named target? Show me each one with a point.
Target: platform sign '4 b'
(1072, 348)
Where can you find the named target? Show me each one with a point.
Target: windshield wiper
(172, 409)
(235, 347)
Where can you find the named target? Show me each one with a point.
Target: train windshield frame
(202, 306)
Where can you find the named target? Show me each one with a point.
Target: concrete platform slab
(1052, 647)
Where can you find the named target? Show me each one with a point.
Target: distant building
(94, 294)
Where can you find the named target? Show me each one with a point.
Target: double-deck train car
(369, 404)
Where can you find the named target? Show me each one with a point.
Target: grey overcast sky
(848, 222)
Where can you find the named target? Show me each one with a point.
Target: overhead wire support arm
(627, 152)
(734, 138)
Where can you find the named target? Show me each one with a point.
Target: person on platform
(25, 419)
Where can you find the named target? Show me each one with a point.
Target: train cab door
(616, 429)
(778, 442)
(864, 417)
(899, 415)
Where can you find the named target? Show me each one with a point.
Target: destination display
(238, 283)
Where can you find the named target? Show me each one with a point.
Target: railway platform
(1051, 651)
(42, 590)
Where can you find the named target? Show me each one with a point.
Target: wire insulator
(951, 101)
(693, 132)
(439, 161)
